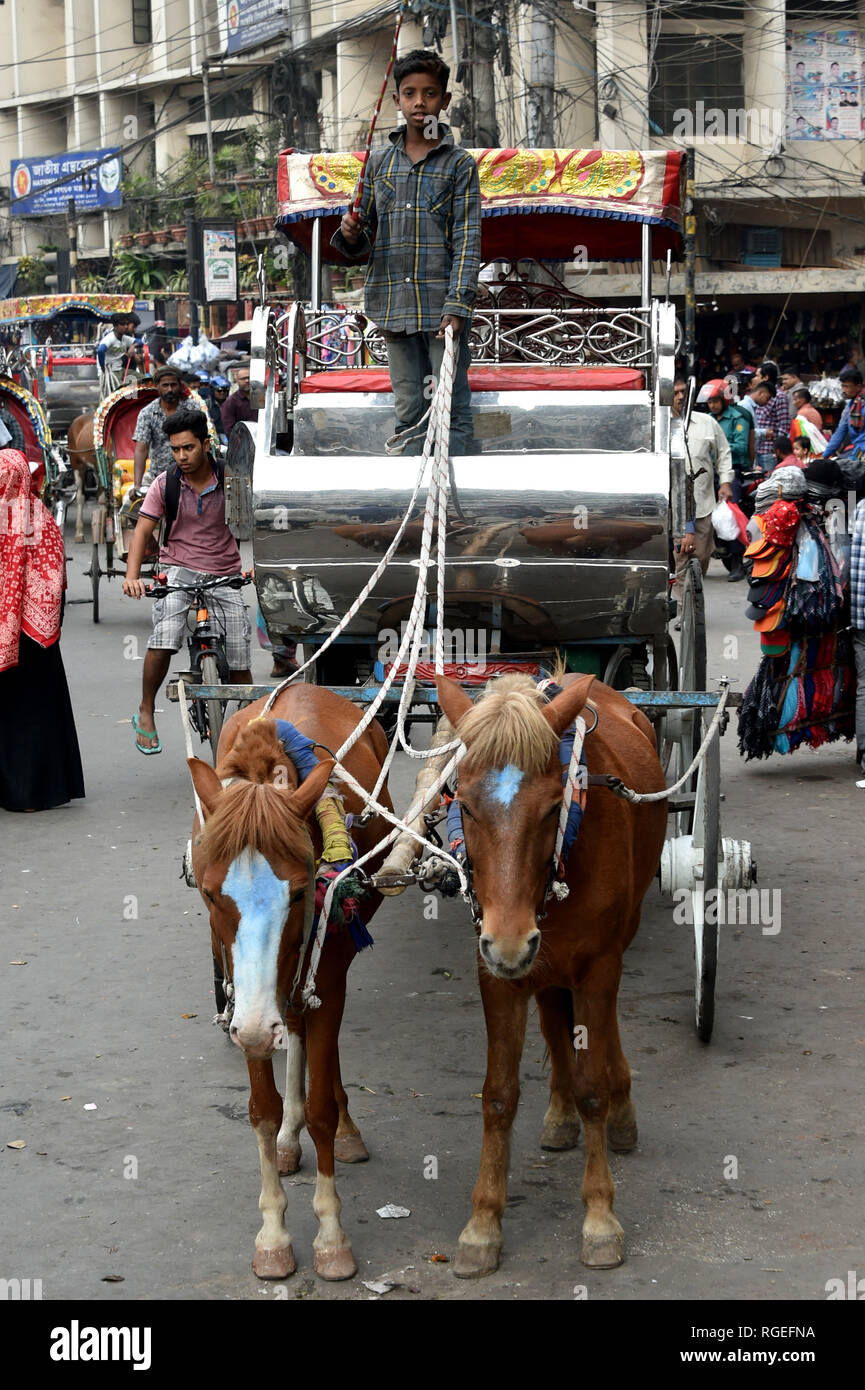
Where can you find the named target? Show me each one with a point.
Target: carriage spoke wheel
(691, 670)
(706, 838)
(95, 576)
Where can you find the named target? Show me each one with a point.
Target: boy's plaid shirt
(857, 569)
(426, 218)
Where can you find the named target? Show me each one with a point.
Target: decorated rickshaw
(28, 430)
(114, 424)
(560, 516)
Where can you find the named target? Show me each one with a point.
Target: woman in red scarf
(40, 765)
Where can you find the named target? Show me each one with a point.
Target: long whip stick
(375, 115)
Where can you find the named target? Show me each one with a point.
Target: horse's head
(510, 791)
(254, 867)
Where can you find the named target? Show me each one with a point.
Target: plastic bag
(808, 562)
(724, 523)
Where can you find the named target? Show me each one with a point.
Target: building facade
(770, 94)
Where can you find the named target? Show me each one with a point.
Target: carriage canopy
(47, 306)
(547, 201)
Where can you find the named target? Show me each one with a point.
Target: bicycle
(206, 644)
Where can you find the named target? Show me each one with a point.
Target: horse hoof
(474, 1261)
(335, 1264)
(350, 1149)
(288, 1158)
(622, 1138)
(274, 1264)
(562, 1135)
(603, 1252)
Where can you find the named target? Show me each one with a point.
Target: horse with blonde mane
(566, 953)
(254, 862)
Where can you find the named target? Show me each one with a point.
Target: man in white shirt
(707, 452)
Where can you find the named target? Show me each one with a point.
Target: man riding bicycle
(197, 547)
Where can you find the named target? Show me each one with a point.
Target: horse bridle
(555, 885)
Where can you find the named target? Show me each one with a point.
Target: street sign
(252, 23)
(45, 183)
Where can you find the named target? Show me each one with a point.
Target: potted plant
(144, 238)
(126, 240)
(162, 237)
(136, 274)
(178, 231)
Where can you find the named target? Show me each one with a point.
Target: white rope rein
(628, 794)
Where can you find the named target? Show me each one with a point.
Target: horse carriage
(553, 539)
(561, 517)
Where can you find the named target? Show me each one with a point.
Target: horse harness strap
(575, 780)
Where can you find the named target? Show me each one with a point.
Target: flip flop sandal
(148, 733)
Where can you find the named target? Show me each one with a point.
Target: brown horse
(254, 866)
(510, 791)
(82, 455)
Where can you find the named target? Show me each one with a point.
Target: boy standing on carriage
(419, 226)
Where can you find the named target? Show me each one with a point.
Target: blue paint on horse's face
(262, 902)
(504, 784)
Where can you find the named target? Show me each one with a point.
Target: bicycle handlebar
(232, 581)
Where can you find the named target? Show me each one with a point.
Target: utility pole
(541, 133)
(690, 344)
(73, 248)
(482, 41)
(205, 82)
(193, 270)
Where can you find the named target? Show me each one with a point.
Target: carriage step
(682, 802)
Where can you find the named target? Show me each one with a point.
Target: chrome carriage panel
(556, 547)
(504, 422)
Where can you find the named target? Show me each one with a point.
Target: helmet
(220, 382)
(716, 387)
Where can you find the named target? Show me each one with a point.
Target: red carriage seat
(489, 377)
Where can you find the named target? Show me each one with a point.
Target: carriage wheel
(707, 836)
(215, 710)
(95, 575)
(690, 668)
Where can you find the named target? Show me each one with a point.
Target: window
(691, 69)
(142, 27)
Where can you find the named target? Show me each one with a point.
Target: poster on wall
(825, 84)
(219, 262)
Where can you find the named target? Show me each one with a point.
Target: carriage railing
(582, 337)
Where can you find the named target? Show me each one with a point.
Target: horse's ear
(564, 709)
(311, 789)
(206, 783)
(453, 699)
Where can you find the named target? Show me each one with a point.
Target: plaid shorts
(229, 613)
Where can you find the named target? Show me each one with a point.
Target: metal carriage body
(558, 530)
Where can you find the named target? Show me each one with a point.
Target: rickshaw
(114, 424)
(25, 421)
(561, 516)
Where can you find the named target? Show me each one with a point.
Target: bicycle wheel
(215, 708)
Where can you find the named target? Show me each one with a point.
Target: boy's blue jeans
(414, 361)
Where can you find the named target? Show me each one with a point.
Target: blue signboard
(45, 184)
(255, 22)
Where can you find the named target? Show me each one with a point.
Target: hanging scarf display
(32, 562)
(803, 692)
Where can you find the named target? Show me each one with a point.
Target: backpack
(172, 495)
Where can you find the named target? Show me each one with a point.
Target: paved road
(747, 1180)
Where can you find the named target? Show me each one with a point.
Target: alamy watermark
(758, 125)
(747, 907)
